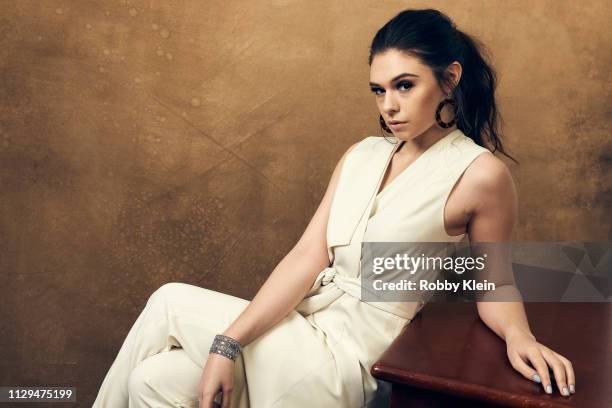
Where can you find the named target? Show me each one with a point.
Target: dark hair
(432, 37)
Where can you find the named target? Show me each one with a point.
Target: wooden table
(448, 357)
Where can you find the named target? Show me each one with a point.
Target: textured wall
(143, 142)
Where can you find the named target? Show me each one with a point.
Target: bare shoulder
(488, 180)
(488, 171)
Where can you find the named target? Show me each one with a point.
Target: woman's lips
(396, 126)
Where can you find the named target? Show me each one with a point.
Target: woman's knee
(167, 290)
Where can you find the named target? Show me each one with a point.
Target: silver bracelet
(226, 346)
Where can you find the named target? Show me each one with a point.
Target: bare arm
(493, 220)
(293, 276)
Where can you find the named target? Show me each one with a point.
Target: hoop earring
(451, 102)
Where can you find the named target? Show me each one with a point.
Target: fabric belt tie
(330, 285)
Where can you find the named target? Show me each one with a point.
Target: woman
(299, 343)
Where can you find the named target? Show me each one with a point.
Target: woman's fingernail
(572, 388)
(549, 389)
(564, 391)
(536, 378)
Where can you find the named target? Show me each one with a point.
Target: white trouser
(150, 371)
(161, 361)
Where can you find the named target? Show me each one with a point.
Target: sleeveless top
(409, 209)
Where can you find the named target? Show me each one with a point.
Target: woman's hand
(522, 348)
(218, 376)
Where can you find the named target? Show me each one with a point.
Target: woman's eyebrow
(396, 78)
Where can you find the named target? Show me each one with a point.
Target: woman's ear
(453, 76)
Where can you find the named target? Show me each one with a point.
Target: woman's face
(407, 91)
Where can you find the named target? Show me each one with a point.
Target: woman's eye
(402, 86)
(407, 84)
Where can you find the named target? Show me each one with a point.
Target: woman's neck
(417, 145)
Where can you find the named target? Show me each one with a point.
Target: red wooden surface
(448, 350)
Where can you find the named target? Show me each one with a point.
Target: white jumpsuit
(321, 353)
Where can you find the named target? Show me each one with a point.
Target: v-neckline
(411, 165)
(388, 165)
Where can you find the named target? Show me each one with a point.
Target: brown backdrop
(143, 142)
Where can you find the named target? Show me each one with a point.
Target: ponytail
(477, 112)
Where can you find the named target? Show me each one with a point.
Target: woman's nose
(389, 103)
